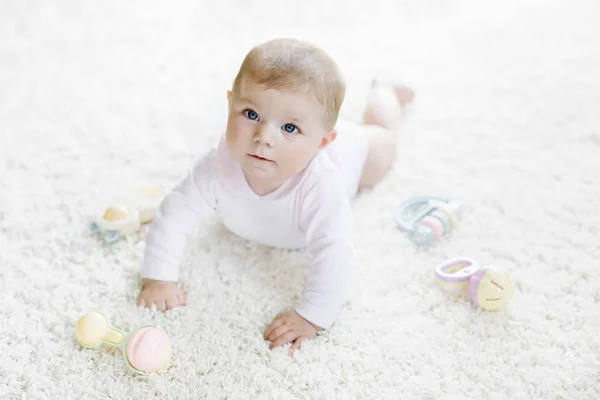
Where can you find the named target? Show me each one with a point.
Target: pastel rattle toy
(127, 213)
(147, 349)
(427, 219)
(491, 288)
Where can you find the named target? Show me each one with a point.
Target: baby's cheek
(299, 163)
(233, 139)
(303, 157)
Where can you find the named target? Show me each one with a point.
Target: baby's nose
(265, 134)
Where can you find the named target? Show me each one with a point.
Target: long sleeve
(326, 218)
(179, 214)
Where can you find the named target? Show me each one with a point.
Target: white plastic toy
(127, 213)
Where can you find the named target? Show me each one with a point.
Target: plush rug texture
(98, 96)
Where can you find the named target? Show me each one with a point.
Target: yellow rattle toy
(147, 349)
(127, 212)
(491, 288)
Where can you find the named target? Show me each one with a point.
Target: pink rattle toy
(147, 349)
(489, 287)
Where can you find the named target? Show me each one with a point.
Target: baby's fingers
(279, 331)
(173, 302)
(271, 327)
(161, 305)
(285, 338)
(296, 345)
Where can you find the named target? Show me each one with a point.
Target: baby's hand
(165, 295)
(290, 327)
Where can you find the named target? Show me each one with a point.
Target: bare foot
(384, 113)
(404, 94)
(386, 104)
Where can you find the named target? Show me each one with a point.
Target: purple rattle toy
(491, 288)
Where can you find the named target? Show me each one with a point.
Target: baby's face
(274, 133)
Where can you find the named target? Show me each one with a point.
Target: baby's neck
(262, 187)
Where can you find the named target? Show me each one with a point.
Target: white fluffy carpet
(97, 96)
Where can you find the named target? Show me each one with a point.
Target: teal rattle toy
(426, 219)
(147, 349)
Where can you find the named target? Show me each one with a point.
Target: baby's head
(283, 108)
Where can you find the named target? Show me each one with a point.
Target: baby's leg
(382, 118)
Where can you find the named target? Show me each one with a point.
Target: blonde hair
(293, 64)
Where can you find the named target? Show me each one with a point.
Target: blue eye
(251, 114)
(290, 128)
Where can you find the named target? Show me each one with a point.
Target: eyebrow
(296, 118)
(246, 100)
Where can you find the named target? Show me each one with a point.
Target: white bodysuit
(311, 209)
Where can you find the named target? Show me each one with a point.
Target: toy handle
(93, 329)
(114, 336)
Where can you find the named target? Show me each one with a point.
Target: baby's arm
(326, 219)
(178, 215)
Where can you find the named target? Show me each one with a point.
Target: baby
(283, 175)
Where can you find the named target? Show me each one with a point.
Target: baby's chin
(268, 174)
(260, 170)
(268, 170)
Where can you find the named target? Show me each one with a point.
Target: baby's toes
(405, 94)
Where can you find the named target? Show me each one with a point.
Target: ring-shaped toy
(426, 218)
(490, 288)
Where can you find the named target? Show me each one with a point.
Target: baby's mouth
(259, 158)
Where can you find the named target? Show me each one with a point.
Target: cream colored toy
(127, 213)
(147, 349)
(491, 288)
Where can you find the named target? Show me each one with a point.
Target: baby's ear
(328, 139)
(229, 95)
